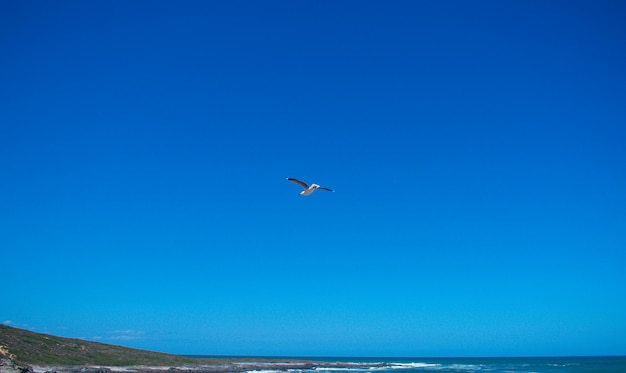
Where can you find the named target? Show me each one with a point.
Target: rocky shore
(7, 366)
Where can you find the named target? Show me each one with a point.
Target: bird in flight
(308, 189)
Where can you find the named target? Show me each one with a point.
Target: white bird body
(308, 189)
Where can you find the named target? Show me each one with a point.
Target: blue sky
(476, 149)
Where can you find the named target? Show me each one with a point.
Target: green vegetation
(29, 348)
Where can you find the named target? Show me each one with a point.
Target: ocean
(483, 365)
(506, 365)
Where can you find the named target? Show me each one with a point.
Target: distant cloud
(126, 335)
(17, 325)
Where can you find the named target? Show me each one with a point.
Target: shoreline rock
(9, 366)
(234, 367)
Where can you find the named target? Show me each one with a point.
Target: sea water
(482, 365)
(505, 365)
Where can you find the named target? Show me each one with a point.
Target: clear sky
(477, 150)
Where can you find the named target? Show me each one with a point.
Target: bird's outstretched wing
(322, 188)
(301, 183)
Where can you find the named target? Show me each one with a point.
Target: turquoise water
(482, 365)
(502, 365)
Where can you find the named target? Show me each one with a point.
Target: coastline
(579, 364)
(234, 366)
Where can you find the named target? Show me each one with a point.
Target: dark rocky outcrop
(9, 366)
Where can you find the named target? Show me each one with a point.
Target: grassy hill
(29, 348)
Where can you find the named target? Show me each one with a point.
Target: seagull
(308, 189)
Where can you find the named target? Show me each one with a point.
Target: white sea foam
(471, 367)
(262, 363)
(375, 367)
(412, 365)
